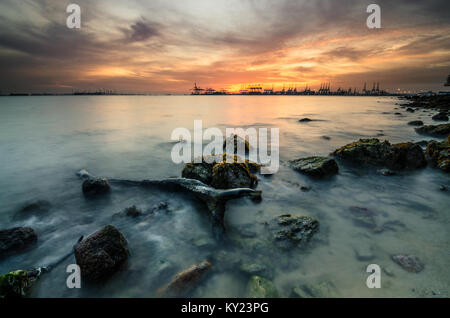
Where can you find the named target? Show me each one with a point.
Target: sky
(152, 46)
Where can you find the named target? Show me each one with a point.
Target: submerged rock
(101, 254)
(96, 186)
(222, 175)
(16, 239)
(441, 130)
(416, 123)
(321, 290)
(295, 230)
(317, 167)
(14, 284)
(304, 120)
(260, 287)
(387, 172)
(363, 217)
(411, 110)
(409, 263)
(373, 152)
(36, 208)
(439, 153)
(253, 268)
(442, 116)
(185, 281)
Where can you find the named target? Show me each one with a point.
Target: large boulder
(185, 281)
(216, 172)
(317, 167)
(434, 130)
(373, 152)
(101, 254)
(439, 153)
(16, 239)
(260, 287)
(96, 186)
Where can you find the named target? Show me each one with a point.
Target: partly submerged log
(214, 199)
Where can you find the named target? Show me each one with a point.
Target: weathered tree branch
(214, 199)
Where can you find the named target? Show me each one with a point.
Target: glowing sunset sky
(164, 46)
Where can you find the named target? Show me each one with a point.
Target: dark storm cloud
(141, 31)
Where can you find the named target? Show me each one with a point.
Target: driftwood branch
(214, 199)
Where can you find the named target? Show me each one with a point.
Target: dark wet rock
(387, 172)
(305, 188)
(132, 211)
(237, 141)
(320, 290)
(441, 130)
(305, 120)
(294, 230)
(16, 239)
(442, 116)
(326, 137)
(443, 188)
(422, 143)
(96, 186)
(260, 287)
(409, 263)
(439, 154)
(14, 284)
(36, 208)
(198, 171)
(232, 175)
(411, 110)
(185, 281)
(398, 114)
(416, 123)
(373, 152)
(101, 254)
(363, 217)
(222, 175)
(317, 167)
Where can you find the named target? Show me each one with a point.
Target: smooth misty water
(44, 141)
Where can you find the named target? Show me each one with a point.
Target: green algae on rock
(222, 172)
(260, 287)
(295, 230)
(439, 153)
(317, 167)
(373, 152)
(14, 284)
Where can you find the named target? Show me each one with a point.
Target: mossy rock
(294, 230)
(317, 167)
(220, 174)
(373, 152)
(434, 130)
(439, 153)
(260, 287)
(14, 284)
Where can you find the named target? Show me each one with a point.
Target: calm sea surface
(44, 141)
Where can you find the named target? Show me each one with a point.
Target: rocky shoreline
(213, 183)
